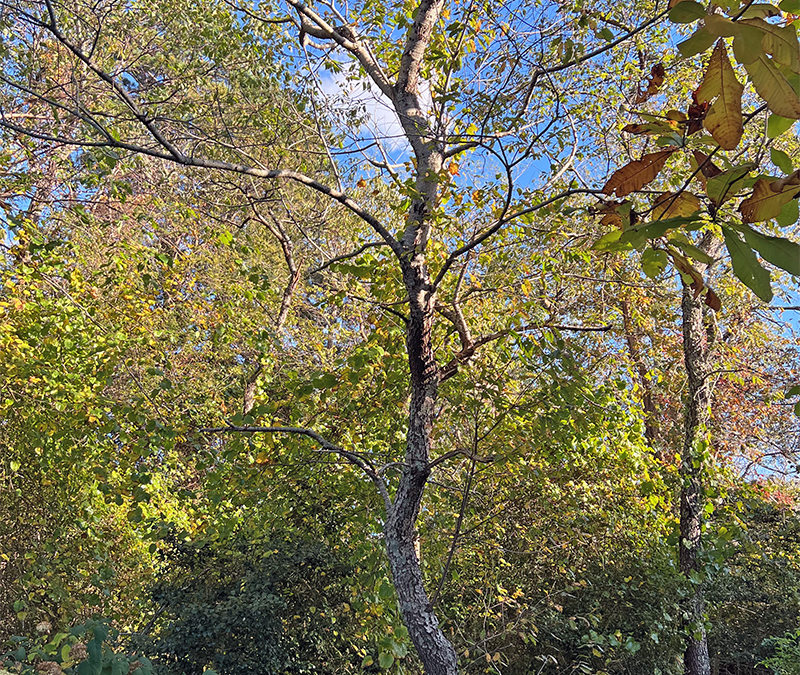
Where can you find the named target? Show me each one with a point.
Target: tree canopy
(410, 336)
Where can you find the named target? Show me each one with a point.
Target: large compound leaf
(635, 175)
(724, 118)
(746, 266)
(768, 198)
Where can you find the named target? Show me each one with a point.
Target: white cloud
(381, 120)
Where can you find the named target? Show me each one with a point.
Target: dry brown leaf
(654, 83)
(635, 175)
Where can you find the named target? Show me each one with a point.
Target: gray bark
(697, 416)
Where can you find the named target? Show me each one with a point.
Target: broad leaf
(781, 160)
(774, 88)
(767, 200)
(725, 186)
(780, 41)
(761, 10)
(674, 204)
(746, 266)
(654, 262)
(789, 215)
(686, 12)
(724, 119)
(651, 128)
(692, 251)
(776, 250)
(776, 125)
(699, 42)
(635, 175)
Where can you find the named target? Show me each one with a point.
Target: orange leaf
(361, 183)
(453, 168)
(635, 175)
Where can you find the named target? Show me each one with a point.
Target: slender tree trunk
(434, 649)
(635, 351)
(697, 415)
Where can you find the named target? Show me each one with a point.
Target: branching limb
(326, 446)
(465, 355)
(347, 256)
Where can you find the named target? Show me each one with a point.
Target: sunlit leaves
(724, 118)
(777, 250)
(635, 175)
(773, 86)
(768, 199)
(673, 204)
(746, 266)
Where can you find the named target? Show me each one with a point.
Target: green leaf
(789, 215)
(654, 262)
(781, 160)
(700, 41)
(686, 12)
(777, 250)
(725, 186)
(776, 125)
(386, 659)
(692, 251)
(791, 6)
(760, 10)
(746, 266)
(611, 242)
(794, 391)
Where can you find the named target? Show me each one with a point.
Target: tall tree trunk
(697, 415)
(434, 649)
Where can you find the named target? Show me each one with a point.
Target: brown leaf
(651, 128)
(688, 269)
(674, 204)
(635, 175)
(712, 300)
(654, 83)
(452, 168)
(696, 114)
(707, 167)
(617, 214)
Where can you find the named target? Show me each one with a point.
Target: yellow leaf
(774, 88)
(675, 204)
(767, 200)
(780, 41)
(637, 174)
(724, 118)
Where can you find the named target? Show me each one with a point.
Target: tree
(463, 82)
